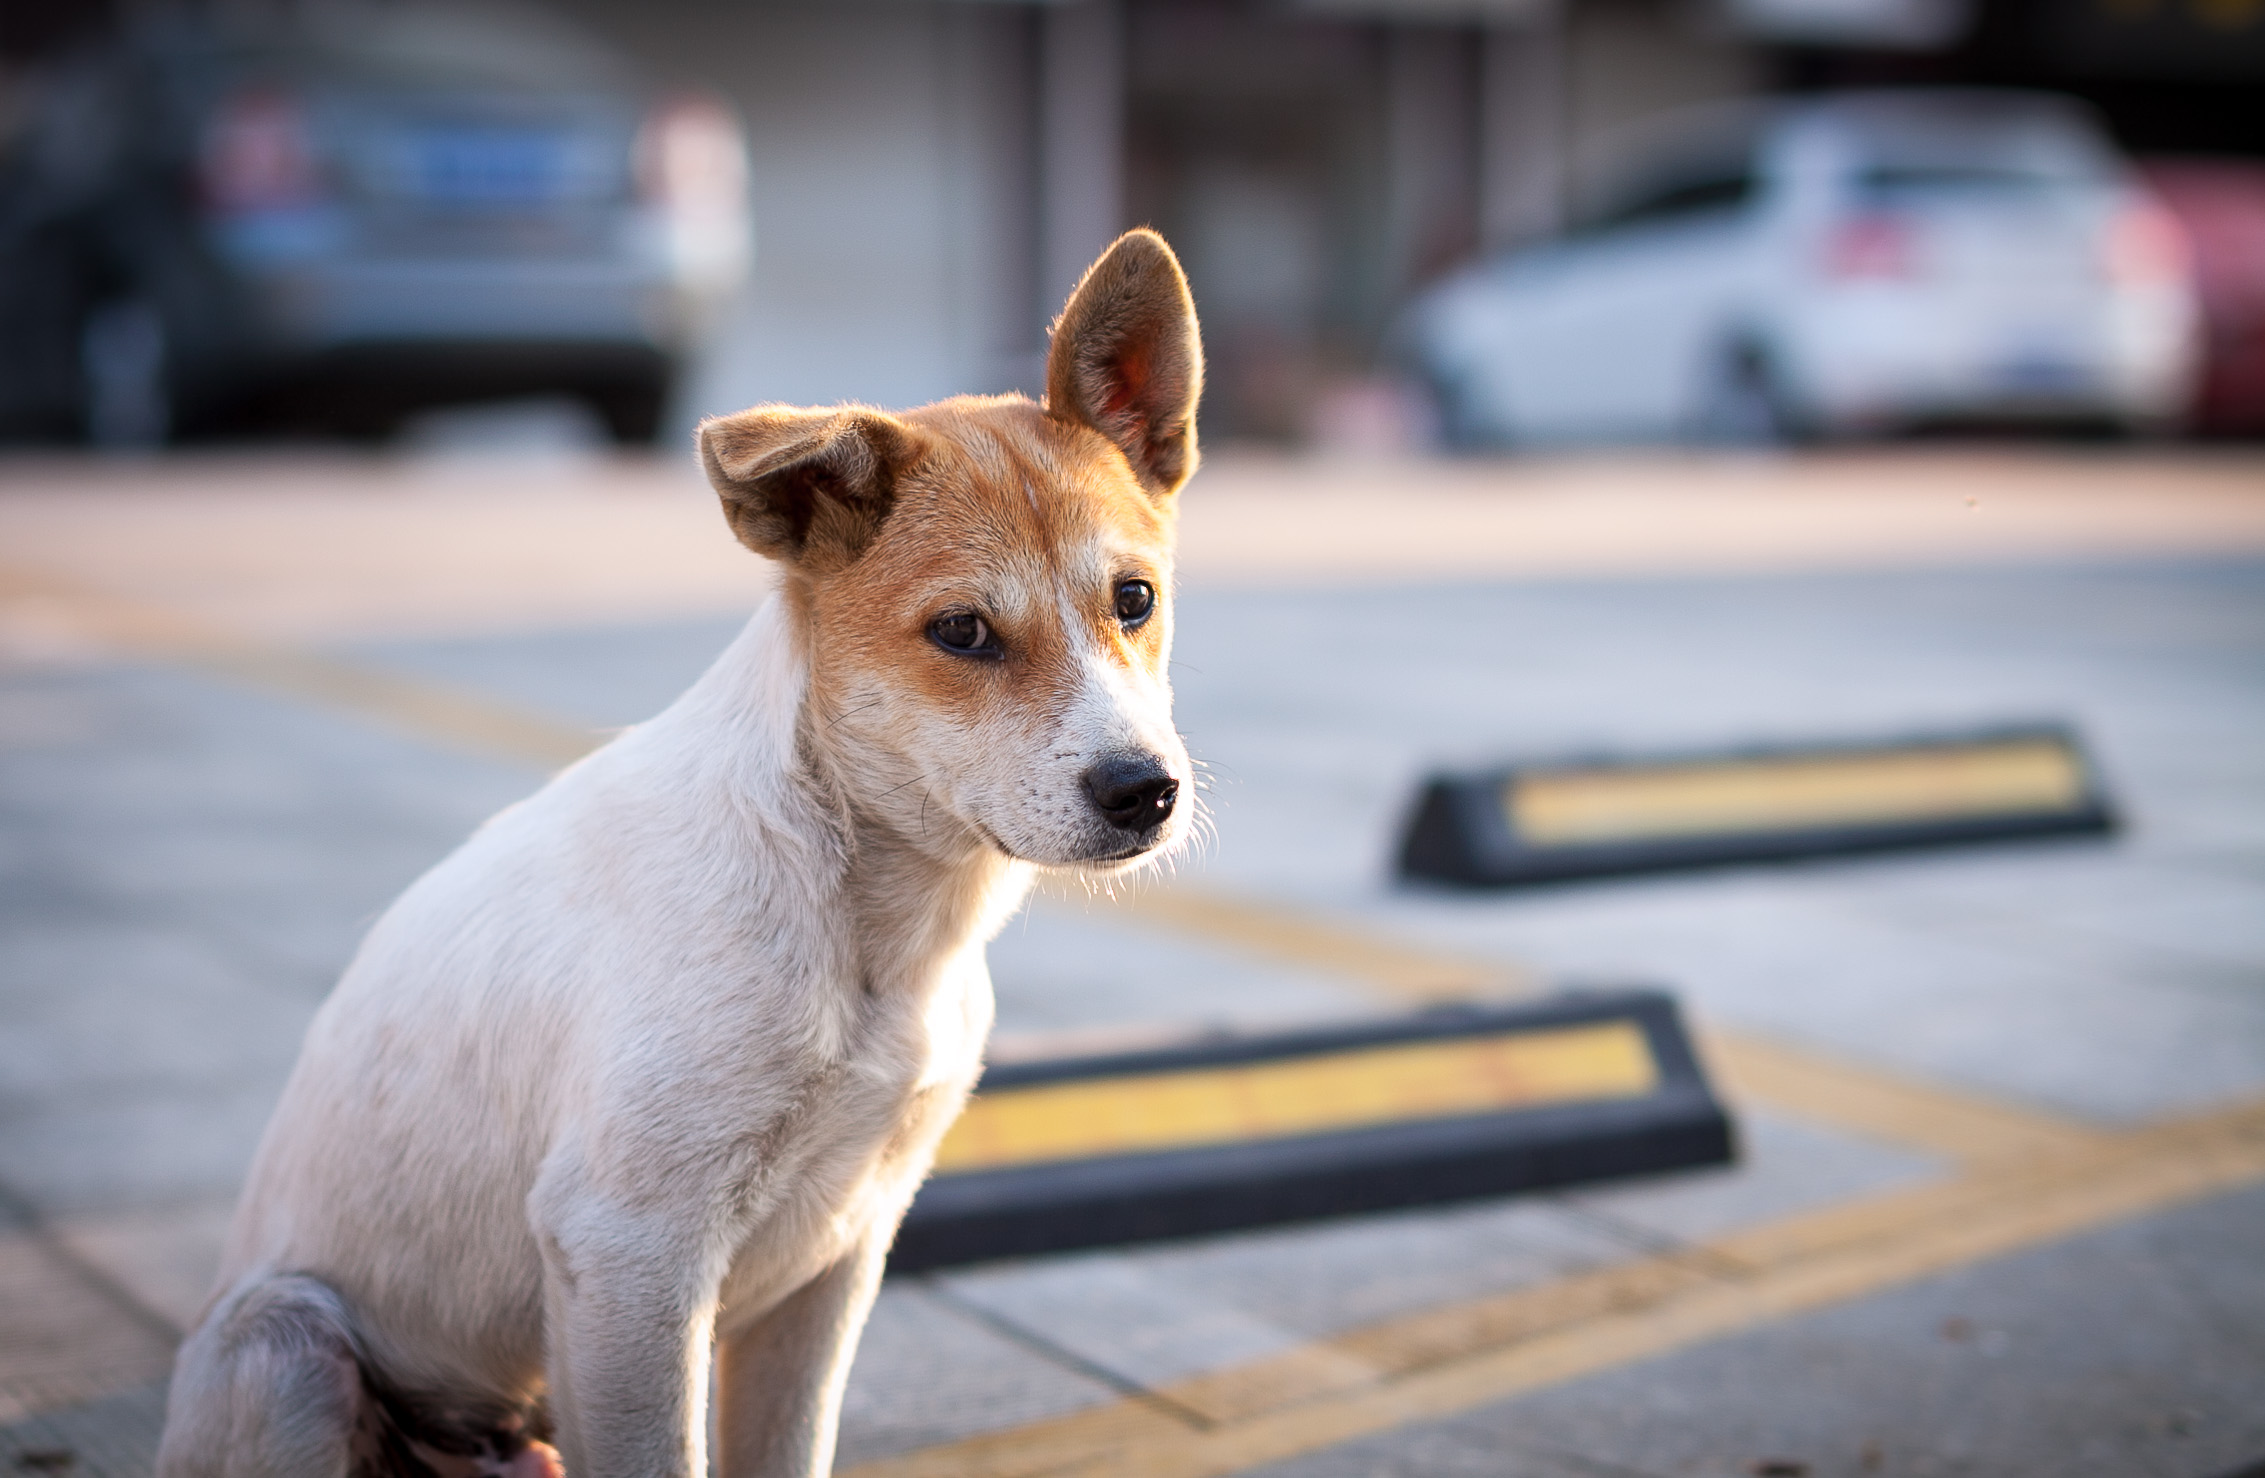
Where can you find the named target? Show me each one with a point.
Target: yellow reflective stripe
(1791, 794)
(1355, 1089)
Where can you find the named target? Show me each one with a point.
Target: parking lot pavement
(1998, 1202)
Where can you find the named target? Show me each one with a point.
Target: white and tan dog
(644, 1076)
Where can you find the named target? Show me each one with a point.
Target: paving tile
(1156, 1313)
(2192, 916)
(123, 1005)
(1112, 1313)
(606, 677)
(113, 1437)
(1323, 1278)
(2130, 1352)
(119, 1147)
(928, 1372)
(65, 1338)
(164, 1257)
(1998, 1011)
(277, 830)
(1784, 1167)
(187, 867)
(1067, 964)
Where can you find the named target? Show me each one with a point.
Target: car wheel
(632, 412)
(1462, 426)
(42, 312)
(1743, 402)
(122, 357)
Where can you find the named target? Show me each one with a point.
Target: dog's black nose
(1133, 791)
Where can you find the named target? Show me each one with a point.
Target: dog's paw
(535, 1460)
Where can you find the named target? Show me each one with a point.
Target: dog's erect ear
(1127, 361)
(807, 486)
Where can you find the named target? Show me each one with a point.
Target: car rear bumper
(342, 303)
(1883, 357)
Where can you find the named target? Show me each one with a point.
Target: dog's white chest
(866, 1136)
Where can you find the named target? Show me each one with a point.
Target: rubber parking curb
(1597, 816)
(1227, 1132)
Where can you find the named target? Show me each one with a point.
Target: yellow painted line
(1441, 1362)
(1297, 937)
(1863, 1100)
(1358, 1088)
(1946, 782)
(427, 710)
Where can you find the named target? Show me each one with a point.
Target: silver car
(340, 213)
(1838, 265)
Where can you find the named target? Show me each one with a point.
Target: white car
(1831, 266)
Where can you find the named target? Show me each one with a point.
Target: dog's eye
(964, 632)
(1135, 599)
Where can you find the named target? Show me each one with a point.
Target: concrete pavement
(2026, 1283)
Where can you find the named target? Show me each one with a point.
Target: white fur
(678, 1040)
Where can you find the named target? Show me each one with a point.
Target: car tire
(1461, 426)
(1743, 401)
(127, 375)
(633, 412)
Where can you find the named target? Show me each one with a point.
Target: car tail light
(690, 158)
(1872, 247)
(257, 155)
(2144, 245)
(692, 169)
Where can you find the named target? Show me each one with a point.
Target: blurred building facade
(930, 175)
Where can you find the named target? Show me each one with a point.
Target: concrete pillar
(1081, 118)
(1522, 129)
(1430, 219)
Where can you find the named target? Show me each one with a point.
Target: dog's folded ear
(810, 487)
(1126, 359)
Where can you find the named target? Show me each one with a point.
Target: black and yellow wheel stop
(1245, 1131)
(1580, 818)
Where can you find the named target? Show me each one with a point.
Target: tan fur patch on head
(1034, 526)
(1013, 512)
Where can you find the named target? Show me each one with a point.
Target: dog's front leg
(779, 1382)
(629, 1305)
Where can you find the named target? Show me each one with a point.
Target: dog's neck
(908, 900)
(910, 907)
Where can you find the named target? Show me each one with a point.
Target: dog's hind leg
(268, 1386)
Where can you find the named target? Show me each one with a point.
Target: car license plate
(491, 166)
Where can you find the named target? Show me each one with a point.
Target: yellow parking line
(1441, 1362)
(427, 710)
(1293, 936)
(1863, 1100)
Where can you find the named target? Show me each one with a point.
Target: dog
(624, 1100)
